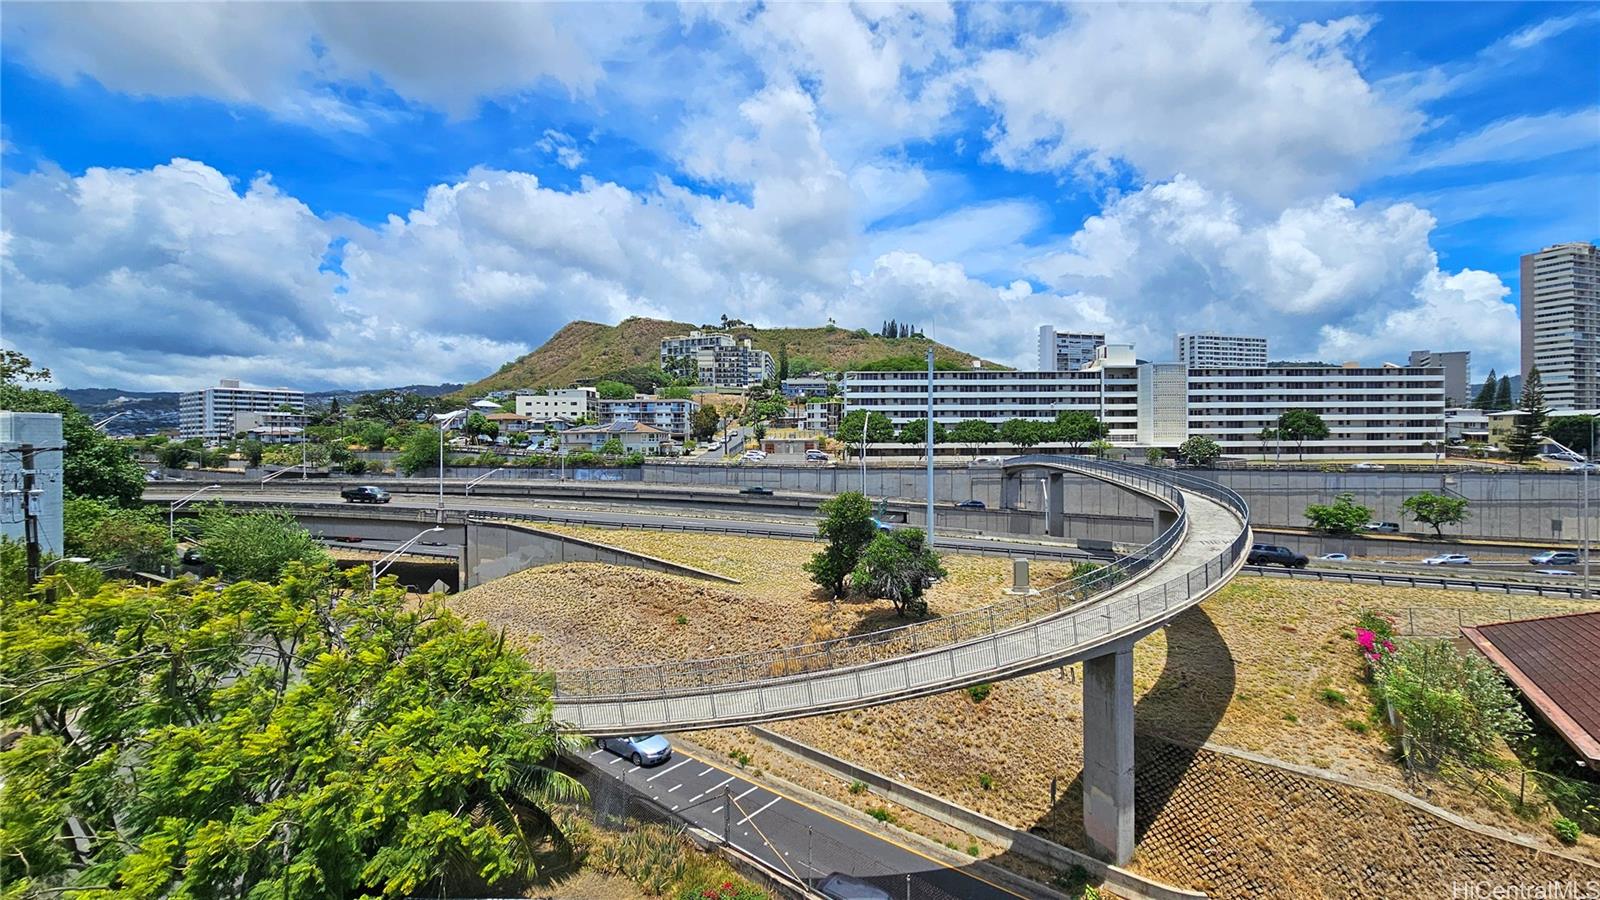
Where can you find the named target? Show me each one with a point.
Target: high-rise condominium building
(1210, 350)
(209, 413)
(1561, 323)
(717, 359)
(1457, 366)
(1067, 351)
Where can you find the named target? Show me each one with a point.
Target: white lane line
(710, 790)
(615, 761)
(705, 773)
(596, 753)
(717, 810)
(759, 811)
(665, 771)
(631, 771)
(673, 788)
(747, 793)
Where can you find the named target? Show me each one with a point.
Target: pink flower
(1388, 647)
(1366, 639)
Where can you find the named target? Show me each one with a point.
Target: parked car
(840, 886)
(1273, 555)
(1563, 456)
(1335, 557)
(1554, 558)
(1448, 559)
(347, 539)
(1585, 467)
(364, 493)
(1367, 467)
(1566, 573)
(971, 504)
(757, 490)
(1382, 527)
(817, 456)
(641, 750)
(882, 525)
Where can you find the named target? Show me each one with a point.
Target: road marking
(759, 811)
(630, 771)
(673, 788)
(747, 793)
(708, 771)
(709, 790)
(717, 810)
(665, 771)
(596, 753)
(614, 761)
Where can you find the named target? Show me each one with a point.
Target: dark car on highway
(971, 504)
(1273, 555)
(758, 491)
(365, 493)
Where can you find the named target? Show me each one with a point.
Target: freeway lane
(625, 517)
(787, 834)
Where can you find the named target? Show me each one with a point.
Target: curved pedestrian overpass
(1094, 618)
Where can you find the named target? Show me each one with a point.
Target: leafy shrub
(881, 814)
(653, 856)
(980, 692)
(1453, 706)
(986, 781)
(858, 787)
(740, 757)
(1566, 830)
(1334, 696)
(728, 890)
(973, 849)
(681, 619)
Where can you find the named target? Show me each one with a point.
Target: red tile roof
(1555, 662)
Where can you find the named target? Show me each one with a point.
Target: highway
(786, 833)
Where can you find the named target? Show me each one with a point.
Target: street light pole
(474, 482)
(929, 441)
(383, 564)
(172, 511)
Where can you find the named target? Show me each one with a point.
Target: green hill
(583, 352)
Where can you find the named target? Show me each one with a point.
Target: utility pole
(30, 516)
(929, 441)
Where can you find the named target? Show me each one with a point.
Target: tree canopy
(879, 428)
(255, 545)
(1200, 450)
(614, 390)
(309, 738)
(1573, 431)
(1343, 516)
(1301, 425)
(898, 566)
(1526, 435)
(973, 431)
(847, 527)
(1076, 428)
(1437, 510)
(1025, 433)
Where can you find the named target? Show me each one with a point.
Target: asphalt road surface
(788, 834)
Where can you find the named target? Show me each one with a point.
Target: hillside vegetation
(583, 352)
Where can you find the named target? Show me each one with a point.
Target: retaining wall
(497, 549)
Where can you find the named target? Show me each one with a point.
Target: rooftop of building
(1551, 661)
(621, 426)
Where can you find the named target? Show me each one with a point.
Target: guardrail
(1382, 579)
(1013, 634)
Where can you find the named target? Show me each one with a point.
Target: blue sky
(368, 194)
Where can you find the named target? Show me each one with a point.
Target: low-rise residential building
(791, 441)
(1464, 425)
(671, 416)
(512, 423)
(31, 479)
(807, 386)
(270, 427)
(1209, 350)
(717, 359)
(567, 404)
(635, 437)
(208, 413)
(823, 416)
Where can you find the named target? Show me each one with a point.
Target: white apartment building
(32, 443)
(1369, 411)
(1067, 351)
(565, 404)
(719, 360)
(671, 416)
(209, 413)
(1561, 323)
(1209, 350)
(1387, 410)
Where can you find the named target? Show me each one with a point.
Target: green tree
(1301, 425)
(1200, 450)
(1076, 428)
(783, 363)
(759, 430)
(1502, 394)
(848, 528)
(1485, 398)
(93, 465)
(252, 451)
(1266, 436)
(1573, 431)
(899, 566)
(1526, 437)
(306, 739)
(916, 432)
(421, 450)
(1155, 456)
(1024, 433)
(614, 390)
(612, 447)
(879, 429)
(973, 432)
(16, 367)
(390, 407)
(1437, 510)
(255, 545)
(370, 434)
(134, 537)
(477, 425)
(703, 423)
(1343, 516)
(674, 392)
(174, 456)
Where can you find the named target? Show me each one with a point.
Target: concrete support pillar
(1108, 755)
(1019, 578)
(1011, 491)
(1055, 513)
(1164, 519)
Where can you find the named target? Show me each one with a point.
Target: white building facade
(1067, 351)
(1561, 323)
(1209, 350)
(565, 404)
(209, 413)
(718, 360)
(674, 417)
(32, 443)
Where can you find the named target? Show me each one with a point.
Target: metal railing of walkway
(1384, 579)
(1006, 639)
